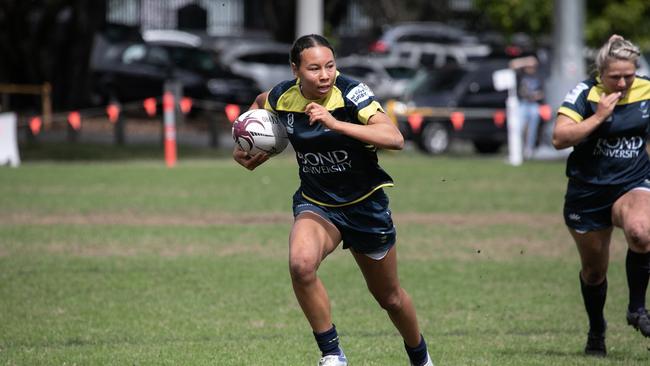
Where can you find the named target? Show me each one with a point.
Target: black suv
(134, 71)
(451, 103)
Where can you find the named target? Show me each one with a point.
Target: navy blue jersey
(335, 170)
(614, 153)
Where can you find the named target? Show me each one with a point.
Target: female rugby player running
(335, 126)
(606, 119)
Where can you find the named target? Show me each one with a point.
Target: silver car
(429, 43)
(266, 62)
(387, 78)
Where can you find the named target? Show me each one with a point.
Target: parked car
(386, 77)
(265, 62)
(454, 103)
(134, 71)
(429, 44)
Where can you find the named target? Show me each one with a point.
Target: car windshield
(401, 72)
(435, 81)
(193, 59)
(269, 58)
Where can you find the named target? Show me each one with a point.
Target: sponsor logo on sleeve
(575, 93)
(359, 94)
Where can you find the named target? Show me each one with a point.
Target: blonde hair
(617, 48)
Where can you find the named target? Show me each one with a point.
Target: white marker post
(8, 142)
(506, 79)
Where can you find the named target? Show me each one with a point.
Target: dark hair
(304, 42)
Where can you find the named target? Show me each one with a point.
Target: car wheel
(435, 138)
(487, 147)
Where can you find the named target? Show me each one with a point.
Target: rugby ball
(259, 130)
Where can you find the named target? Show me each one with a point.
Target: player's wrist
(598, 118)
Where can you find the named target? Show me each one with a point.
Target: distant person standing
(530, 91)
(606, 120)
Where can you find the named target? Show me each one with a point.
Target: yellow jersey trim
(351, 202)
(639, 91)
(369, 111)
(267, 105)
(577, 118)
(292, 99)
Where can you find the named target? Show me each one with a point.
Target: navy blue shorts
(366, 226)
(588, 207)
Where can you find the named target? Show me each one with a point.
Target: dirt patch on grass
(216, 218)
(203, 219)
(499, 236)
(166, 250)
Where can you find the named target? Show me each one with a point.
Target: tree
(628, 18)
(603, 18)
(531, 17)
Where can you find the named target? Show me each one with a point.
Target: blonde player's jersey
(615, 153)
(335, 170)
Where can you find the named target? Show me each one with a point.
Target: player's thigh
(380, 275)
(312, 238)
(631, 212)
(632, 206)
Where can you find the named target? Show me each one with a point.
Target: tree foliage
(628, 18)
(532, 17)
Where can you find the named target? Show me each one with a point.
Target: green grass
(106, 262)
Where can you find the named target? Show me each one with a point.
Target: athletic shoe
(428, 363)
(639, 320)
(334, 360)
(596, 345)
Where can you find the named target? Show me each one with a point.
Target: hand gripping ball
(259, 130)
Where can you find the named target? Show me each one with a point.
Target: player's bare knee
(593, 276)
(638, 235)
(302, 269)
(391, 302)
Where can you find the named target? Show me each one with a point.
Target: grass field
(130, 263)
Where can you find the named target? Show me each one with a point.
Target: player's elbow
(399, 142)
(559, 142)
(396, 142)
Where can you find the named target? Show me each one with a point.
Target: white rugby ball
(259, 130)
